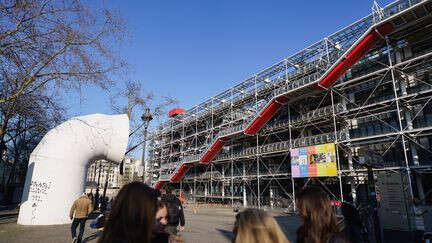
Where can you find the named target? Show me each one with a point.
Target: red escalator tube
(180, 173)
(159, 185)
(355, 54)
(265, 115)
(214, 149)
(350, 59)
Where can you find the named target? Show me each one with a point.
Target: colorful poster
(314, 161)
(331, 168)
(312, 170)
(295, 171)
(294, 152)
(303, 171)
(321, 170)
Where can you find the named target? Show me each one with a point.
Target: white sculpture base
(57, 166)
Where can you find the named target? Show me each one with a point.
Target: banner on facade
(314, 161)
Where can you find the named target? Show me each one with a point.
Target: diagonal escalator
(340, 56)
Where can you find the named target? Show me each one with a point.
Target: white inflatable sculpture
(57, 167)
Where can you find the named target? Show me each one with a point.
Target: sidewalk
(212, 224)
(10, 231)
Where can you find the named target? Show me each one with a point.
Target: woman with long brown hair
(132, 216)
(256, 226)
(319, 224)
(159, 235)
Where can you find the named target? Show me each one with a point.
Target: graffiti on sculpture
(38, 190)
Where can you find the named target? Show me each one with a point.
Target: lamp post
(146, 118)
(97, 187)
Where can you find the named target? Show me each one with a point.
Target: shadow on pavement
(92, 237)
(226, 233)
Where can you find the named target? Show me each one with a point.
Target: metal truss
(379, 111)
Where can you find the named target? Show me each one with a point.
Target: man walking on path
(79, 211)
(175, 212)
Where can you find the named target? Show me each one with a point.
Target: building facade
(367, 89)
(102, 170)
(131, 170)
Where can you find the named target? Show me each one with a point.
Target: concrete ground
(215, 224)
(207, 225)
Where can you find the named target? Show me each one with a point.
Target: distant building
(106, 171)
(131, 170)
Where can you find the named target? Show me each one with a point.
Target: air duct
(57, 167)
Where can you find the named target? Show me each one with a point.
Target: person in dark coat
(352, 220)
(79, 212)
(132, 216)
(176, 219)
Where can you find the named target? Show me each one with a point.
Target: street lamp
(146, 118)
(97, 187)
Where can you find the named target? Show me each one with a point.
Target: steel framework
(366, 88)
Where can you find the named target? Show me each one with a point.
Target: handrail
(347, 54)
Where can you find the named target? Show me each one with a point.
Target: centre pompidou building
(366, 90)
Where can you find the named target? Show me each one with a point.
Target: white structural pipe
(57, 167)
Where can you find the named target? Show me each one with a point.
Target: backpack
(174, 207)
(98, 222)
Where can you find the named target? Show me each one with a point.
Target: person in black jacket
(132, 217)
(352, 220)
(175, 212)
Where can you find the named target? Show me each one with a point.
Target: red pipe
(355, 54)
(180, 173)
(214, 149)
(159, 185)
(350, 59)
(267, 113)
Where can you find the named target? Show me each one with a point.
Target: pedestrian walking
(103, 204)
(175, 212)
(182, 198)
(132, 216)
(352, 220)
(79, 211)
(91, 197)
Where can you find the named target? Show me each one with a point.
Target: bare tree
(47, 47)
(33, 115)
(132, 100)
(47, 43)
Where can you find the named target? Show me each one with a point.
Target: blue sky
(193, 50)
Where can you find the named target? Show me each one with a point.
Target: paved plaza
(207, 225)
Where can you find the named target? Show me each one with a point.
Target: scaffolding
(365, 88)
